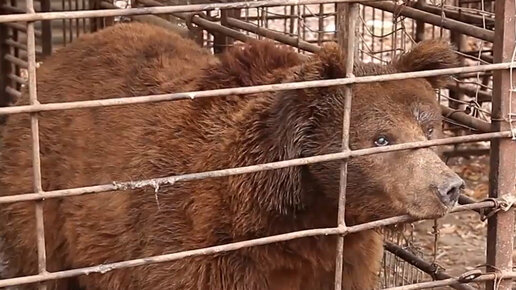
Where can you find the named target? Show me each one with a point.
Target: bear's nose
(449, 190)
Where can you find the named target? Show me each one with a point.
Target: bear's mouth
(430, 213)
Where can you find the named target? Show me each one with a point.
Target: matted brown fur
(96, 146)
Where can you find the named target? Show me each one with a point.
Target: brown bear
(84, 147)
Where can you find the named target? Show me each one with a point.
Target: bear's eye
(429, 131)
(381, 141)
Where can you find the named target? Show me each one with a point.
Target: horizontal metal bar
(436, 20)
(212, 26)
(481, 95)
(429, 268)
(15, 44)
(458, 14)
(17, 79)
(14, 93)
(466, 152)
(251, 168)
(221, 248)
(250, 89)
(456, 281)
(161, 10)
(17, 61)
(275, 35)
(21, 28)
(12, 9)
(466, 119)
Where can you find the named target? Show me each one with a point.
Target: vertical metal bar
(420, 25)
(394, 36)
(220, 41)
(46, 29)
(5, 66)
(83, 7)
(266, 17)
(292, 21)
(347, 15)
(362, 29)
(382, 33)
(70, 21)
(63, 6)
(320, 32)
(285, 13)
(500, 228)
(94, 21)
(16, 51)
(36, 163)
(455, 99)
(373, 36)
(298, 31)
(303, 22)
(77, 21)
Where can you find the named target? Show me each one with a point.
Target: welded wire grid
(382, 35)
(396, 271)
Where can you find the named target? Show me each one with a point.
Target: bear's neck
(278, 200)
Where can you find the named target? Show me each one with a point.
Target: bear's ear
(327, 63)
(428, 55)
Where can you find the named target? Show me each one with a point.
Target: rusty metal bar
(466, 152)
(458, 40)
(466, 119)
(36, 161)
(220, 40)
(214, 27)
(500, 228)
(218, 29)
(115, 186)
(278, 36)
(16, 78)
(21, 27)
(228, 247)
(456, 281)
(14, 43)
(431, 269)
(483, 95)
(436, 20)
(15, 94)
(12, 9)
(320, 22)
(420, 25)
(46, 29)
(347, 44)
(474, 54)
(474, 75)
(153, 19)
(13, 59)
(162, 10)
(462, 16)
(16, 26)
(5, 67)
(210, 26)
(248, 90)
(284, 17)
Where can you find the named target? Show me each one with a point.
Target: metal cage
(477, 106)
